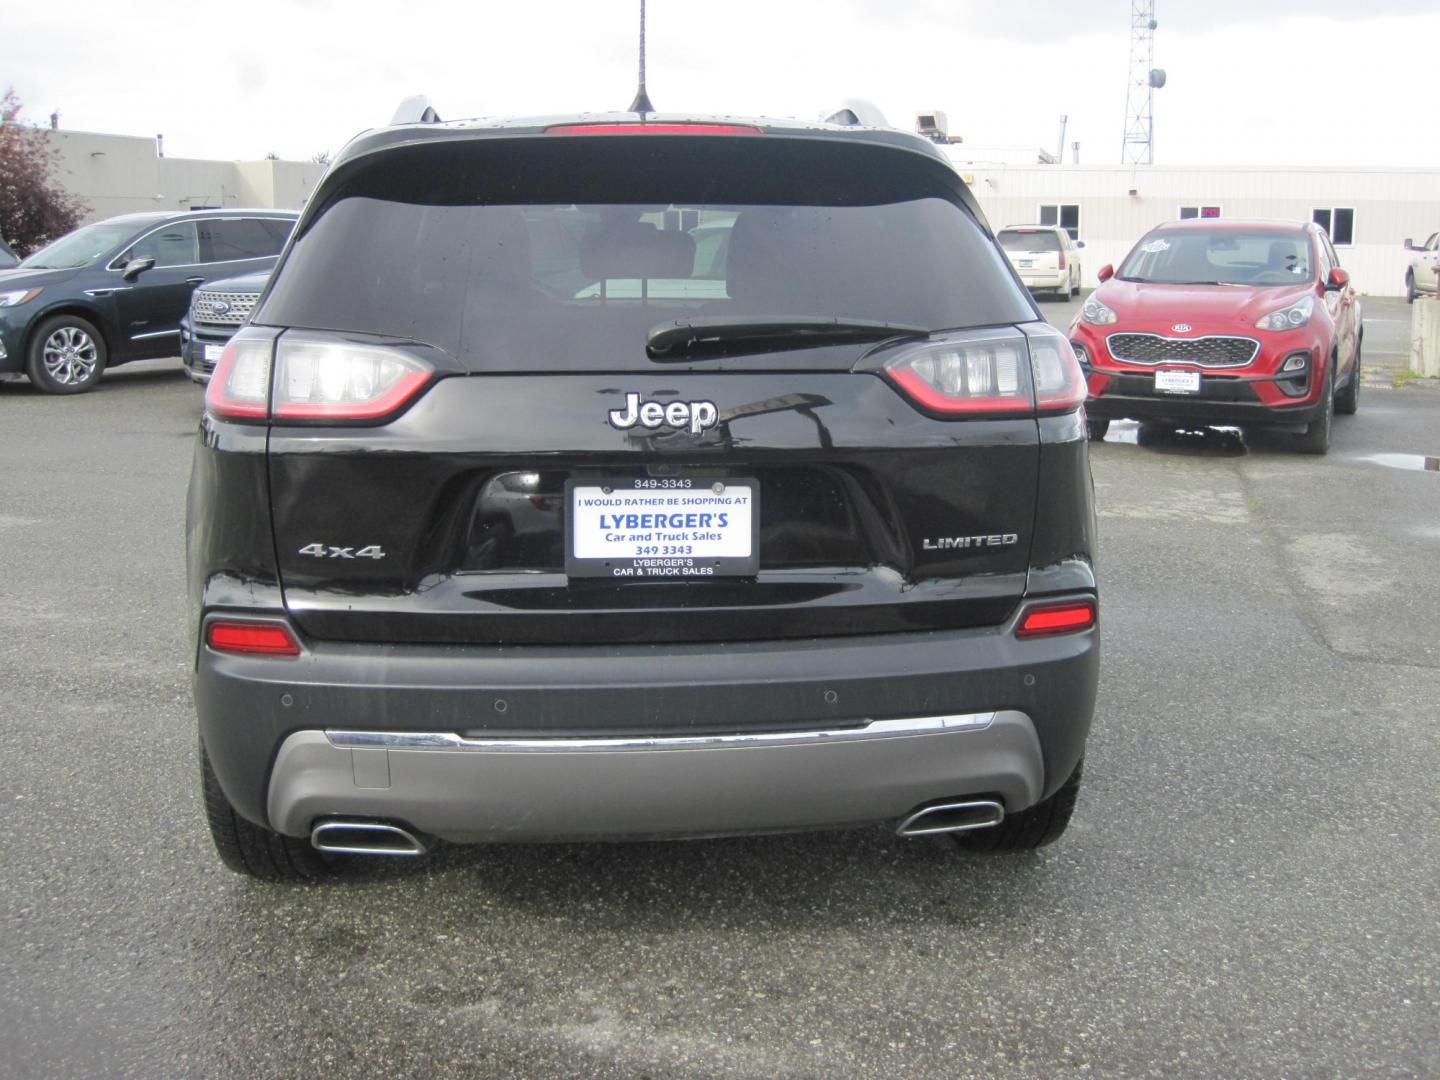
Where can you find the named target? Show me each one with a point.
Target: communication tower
(1145, 78)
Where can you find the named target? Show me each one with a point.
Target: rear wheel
(1042, 824)
(66, 355)
(1316, 438)
(248, 849)
(1097, 428)
(1347, 401)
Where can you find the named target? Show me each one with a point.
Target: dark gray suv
(636, 476)
(115, 291)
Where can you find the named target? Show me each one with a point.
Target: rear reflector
(266, 639)
(1057, 619)
(652, 129)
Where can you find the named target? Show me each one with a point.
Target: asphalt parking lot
(1249, 887)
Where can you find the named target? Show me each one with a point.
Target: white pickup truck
(1424, 260)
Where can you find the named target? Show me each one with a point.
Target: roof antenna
(641, 104)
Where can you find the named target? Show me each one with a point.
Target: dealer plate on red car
(670, 527)
(1177, 382)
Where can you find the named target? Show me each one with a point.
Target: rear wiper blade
(675, 341)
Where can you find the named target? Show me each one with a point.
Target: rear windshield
(1227, 256)
(563, 253)
(1028, 240)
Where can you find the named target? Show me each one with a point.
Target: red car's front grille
(1210, 352)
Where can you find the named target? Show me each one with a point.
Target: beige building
(122, 174)
(1369, 211)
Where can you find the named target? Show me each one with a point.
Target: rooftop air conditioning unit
(933, 125)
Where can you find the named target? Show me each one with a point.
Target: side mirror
(1105, 273)
(1079, 243)
(1337, 280)
(135, 267)
(1410, 245)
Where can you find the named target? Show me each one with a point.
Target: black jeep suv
(628, 476)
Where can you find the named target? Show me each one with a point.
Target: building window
(1066, 215)
(1338, 223)
(1188, 212)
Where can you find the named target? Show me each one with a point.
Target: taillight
(240, 385)
(1059, 382)
(1062, 260)
(635, 128)
(1066, 618)
(323, 378)
(994, 374)
(965, 376)
(256, 638)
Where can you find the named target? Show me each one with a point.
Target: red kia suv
(1224, 322)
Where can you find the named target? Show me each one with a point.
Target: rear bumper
(458, 727)
(471, 790)
(1050, 279)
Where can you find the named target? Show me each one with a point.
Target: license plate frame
(1177, 382)
(684, 546)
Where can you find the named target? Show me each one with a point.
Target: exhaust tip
(365, 838)
(952, 817)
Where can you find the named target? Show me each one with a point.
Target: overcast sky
(1250, 81)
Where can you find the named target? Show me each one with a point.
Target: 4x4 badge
(695, 415)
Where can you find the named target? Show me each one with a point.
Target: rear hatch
(656, 396)
(1032, 251)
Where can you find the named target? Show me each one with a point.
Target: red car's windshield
(1220, 257)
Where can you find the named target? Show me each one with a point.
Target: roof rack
(415, 110)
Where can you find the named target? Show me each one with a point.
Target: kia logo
(1181, 328)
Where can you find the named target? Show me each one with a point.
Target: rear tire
(248, 849)
(1042, 824)
(1347, 401)
(1096, 429)
(1316, 439)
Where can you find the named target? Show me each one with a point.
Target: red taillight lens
(1064, 618)
(1062, 260)
(1059, 382)
(964, 376)
(652, 129)
(322, 378)
(240, 384)
(265, 639)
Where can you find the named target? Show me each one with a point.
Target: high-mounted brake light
(255, 638)
(322, 378)
(1064, 618)
(631, 128)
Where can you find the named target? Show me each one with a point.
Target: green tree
(34, 208)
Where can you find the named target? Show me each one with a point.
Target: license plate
(213, 353)
(1025, 264)
(657, 528)
(1177, 382)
